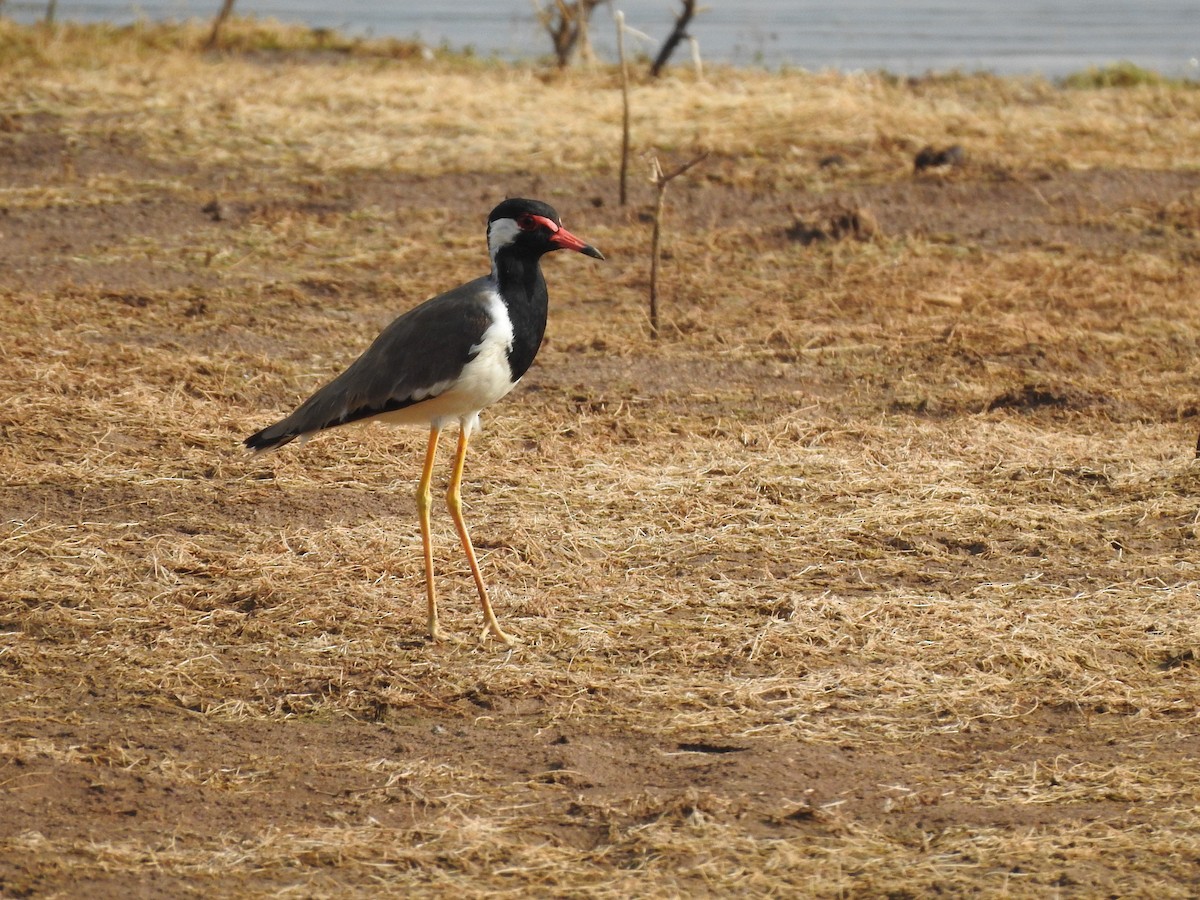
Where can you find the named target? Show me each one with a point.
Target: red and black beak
(567, 241)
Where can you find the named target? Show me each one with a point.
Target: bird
(445, 360)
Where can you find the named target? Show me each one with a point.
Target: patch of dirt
(1085, 209)
(1106, 212)
(112, 787)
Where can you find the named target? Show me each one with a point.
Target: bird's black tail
(270, 438)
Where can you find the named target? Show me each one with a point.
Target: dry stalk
(697, 62)
(567, 25)
(661, 180)
(619, 17)
(678, 33)
(222, 16)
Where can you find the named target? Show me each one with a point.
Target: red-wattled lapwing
(447, 359)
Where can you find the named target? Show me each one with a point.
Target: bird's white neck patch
(501, 233)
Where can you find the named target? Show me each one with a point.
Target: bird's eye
(526, 222)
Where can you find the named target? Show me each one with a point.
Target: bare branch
(214, 37)
(567, 25)
(661, 180)
(619, 17)
(677, 172)
(678, 33)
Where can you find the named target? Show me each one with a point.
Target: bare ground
(875, 580)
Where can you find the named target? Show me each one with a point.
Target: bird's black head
(533, 228)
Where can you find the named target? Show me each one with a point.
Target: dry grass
(876, 578)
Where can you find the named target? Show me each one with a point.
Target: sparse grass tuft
(1120, 75)
(89, 44)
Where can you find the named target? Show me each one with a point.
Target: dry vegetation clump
(874, 576)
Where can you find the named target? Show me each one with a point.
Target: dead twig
(619, 17)
(661, 180)
(214, 36)
(678, 33)
(567, 25)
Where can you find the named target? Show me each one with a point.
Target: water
(902, 36)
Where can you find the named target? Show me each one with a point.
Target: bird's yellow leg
(423, 504)
(454, 502)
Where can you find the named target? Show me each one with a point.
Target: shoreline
(1182, 72)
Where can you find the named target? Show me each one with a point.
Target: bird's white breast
(483, 380)
(488, 376)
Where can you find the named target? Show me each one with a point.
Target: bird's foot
(493, 628)
(437, 636)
